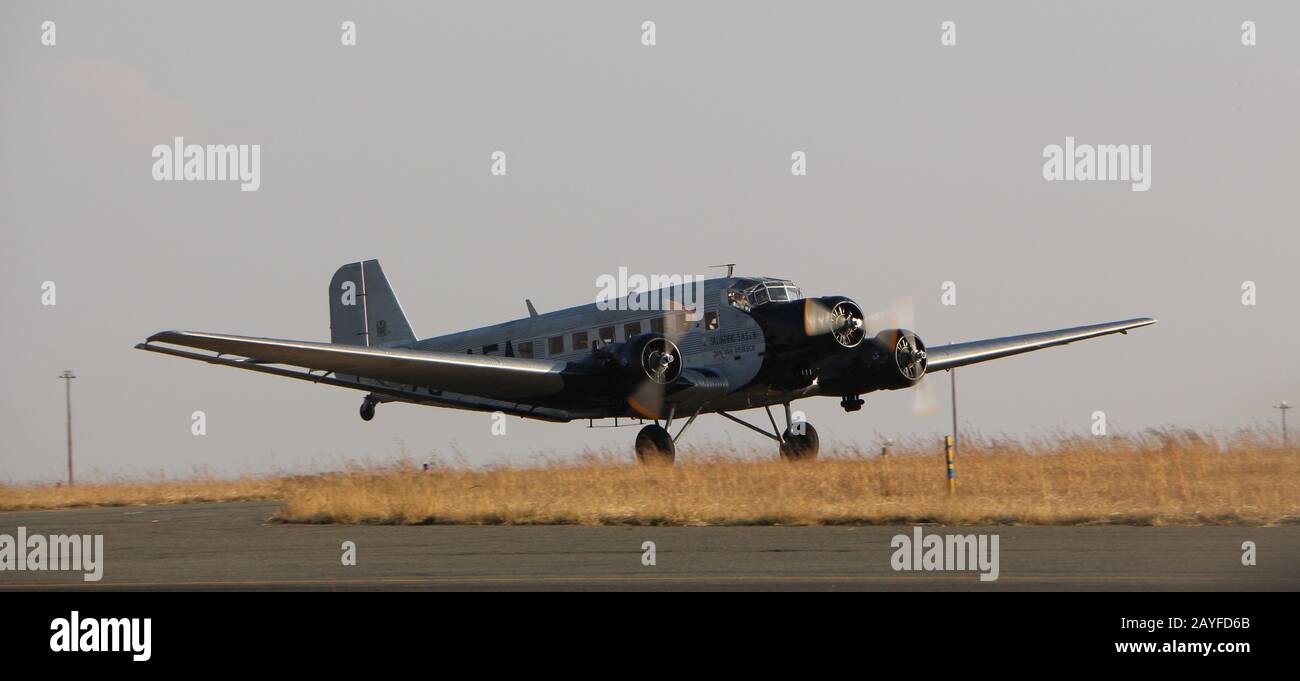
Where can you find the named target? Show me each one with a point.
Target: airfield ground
(1164, 511)
(1170, 479)
(222, 546)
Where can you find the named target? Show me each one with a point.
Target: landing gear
(654, 445)
(367, 409)
(852, 402)
(799, 442)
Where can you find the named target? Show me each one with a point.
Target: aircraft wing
(956, 355)
(502, 378)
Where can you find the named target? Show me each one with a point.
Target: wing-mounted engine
(892, 360)
(647, 373)
(641, 371)
(646, 359)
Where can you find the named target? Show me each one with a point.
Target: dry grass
(1167, 477)
(1161, 478)
(138, 493)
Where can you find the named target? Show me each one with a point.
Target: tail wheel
(654, 445)
(367, 410)
(796, 446)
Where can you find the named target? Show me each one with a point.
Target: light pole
(67, 377)
(952, 374)
(1282, 408)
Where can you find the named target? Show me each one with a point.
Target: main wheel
(800, 447)
(367, 410)
(654, 445)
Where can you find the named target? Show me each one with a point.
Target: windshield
(751, 293)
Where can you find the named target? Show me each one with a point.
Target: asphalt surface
(236, 547)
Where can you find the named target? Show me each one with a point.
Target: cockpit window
(750, 293)
(738, 299)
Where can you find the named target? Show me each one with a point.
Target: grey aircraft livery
(757, 342)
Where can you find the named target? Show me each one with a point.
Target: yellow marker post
(952, 468)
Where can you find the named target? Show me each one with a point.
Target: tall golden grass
(138, 493)
(1161, 477)
(1166, 477)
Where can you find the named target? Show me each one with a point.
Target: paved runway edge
(233, 546)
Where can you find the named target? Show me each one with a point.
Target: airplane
(756, 343)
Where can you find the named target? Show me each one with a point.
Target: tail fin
(363, 308)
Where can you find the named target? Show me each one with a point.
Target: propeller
(843, 321)
(902, 315)
(923, 402)
(659, 358)
(662, 364)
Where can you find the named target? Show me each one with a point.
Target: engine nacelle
(893, 360)
(829, 323)
(646, 359)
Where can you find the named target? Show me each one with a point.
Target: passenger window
(657, 324)
(526, 349)
(555, 345)
(489, 349)
(580, 341)
(631, 330)
(606, 335)
(711, 321)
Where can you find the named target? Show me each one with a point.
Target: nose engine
(830, 340)
(829, 323)
(842, 320)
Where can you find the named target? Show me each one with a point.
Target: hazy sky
(924, 165)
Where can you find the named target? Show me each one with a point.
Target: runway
(234, 546)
